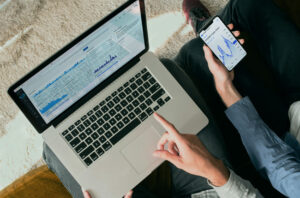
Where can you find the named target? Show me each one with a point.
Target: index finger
(167, 125)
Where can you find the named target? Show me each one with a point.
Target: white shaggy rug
(32, 30)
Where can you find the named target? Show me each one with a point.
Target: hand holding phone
(223, 43)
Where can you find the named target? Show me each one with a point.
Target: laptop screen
(84, 66)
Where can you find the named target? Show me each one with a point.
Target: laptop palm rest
(139, 151)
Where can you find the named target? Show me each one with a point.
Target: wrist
(220, 176)
(228, 93)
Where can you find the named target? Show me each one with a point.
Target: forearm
(228, 93)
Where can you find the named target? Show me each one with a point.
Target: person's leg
(276, 37)
(184, 184)
(61, 172)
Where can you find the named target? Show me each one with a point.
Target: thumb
(165, 155)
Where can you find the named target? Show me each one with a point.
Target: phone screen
(223, 43)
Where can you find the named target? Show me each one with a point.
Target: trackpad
(139, 151)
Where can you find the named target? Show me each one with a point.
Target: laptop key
(167, 99)
(129, 107)
(143, 106)
(131, 115)
(68, 137)
(127, 90)
(147, 94)
(82, 136)
(114, 94)
(74, 142)
(95, 126)
(88, 131)
(106, 146)
(98, 113)
(141, 98)
(137, 111)
(125, 131)
(120, 89)
(120, 125)
(148, 101)
(112, 121)
(80, 127)
(156, 108)
(149, 111)
(129, 98)
(146, 85)
(108, 134)
(65, 132)
(80, 147)
(86, 123)
(106, 126)
(135, 94)
(102, 103)
(86, 152)
(141, 89)
(139, 82)
(158, 94)
(154, 88)
(77, 122)
(135, 103)
(161, 102)
(112, 112)
(132, 79)
(88, 161)
(74, 132)
(122, 95)
(100, 151)
(110, 104)
(146, 76)
(144, 70)
(100, 131)
(124, 112)
(71, 127)
(93, 118)
(126, 84)
(106, 117)
(88, 140)
(100, 121)
(104, 109)
(108, 98)
(96, 108)
(133, 86)
(143, 116)
(114, 129)
(102, 139)
(90, 112)
(118, 117)
(116, 99)
(124, 103)
(138, 75)
(94, 156)
(96, 144)
(95, 135)
(152, 81)
(118, 107)
(83, 117)
(125, 120)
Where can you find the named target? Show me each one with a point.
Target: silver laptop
(93, 103)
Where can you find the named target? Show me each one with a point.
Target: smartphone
(222, 42)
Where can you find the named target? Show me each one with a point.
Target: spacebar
(125, 131)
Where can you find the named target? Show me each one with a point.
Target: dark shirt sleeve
(270, 155)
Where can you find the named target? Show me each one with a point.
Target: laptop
(93, 103)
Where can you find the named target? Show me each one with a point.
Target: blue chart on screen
(226, 56)
(52, 104)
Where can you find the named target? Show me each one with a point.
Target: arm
(189, 154)
(269, 154)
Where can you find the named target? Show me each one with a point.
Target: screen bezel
(204, 28)
(39, 124)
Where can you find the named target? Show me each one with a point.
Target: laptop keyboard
(113, 118)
